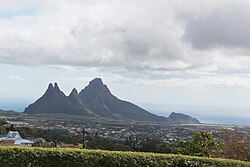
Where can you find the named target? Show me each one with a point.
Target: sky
(187, 56)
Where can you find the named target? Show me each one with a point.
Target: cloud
(195, 81)
(99, 34)
(226, 82)
(143, 36)
(228, 25)
(16, 77)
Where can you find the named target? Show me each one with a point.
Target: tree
(165, 148)
(234, 145)
(3, 122)
(11, 128)
(148, 146)
(203, 144)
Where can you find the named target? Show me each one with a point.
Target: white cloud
(203, 82)
(135, 35)
(206, 81)
(16, 77)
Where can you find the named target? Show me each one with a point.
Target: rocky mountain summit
(96, 100)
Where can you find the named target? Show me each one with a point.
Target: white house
(13, 138)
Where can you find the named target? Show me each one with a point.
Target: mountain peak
(57, 89)
(50, 89)
(182, 118)
(50, 86)
(74, 91)
(96, 82)
(56, 86)
(97, 85)
(74, 96)
(53, 100)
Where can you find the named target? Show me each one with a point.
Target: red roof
(67, 146)
(7, 141)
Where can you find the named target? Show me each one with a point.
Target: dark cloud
(226, 26)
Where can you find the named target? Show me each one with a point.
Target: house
(67, 146)
(7, 143)
(13, 138)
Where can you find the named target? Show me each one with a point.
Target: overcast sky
(151, 52)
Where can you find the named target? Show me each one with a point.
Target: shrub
(43, 157)
(234, 145)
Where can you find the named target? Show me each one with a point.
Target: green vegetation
(234, 145)
(203, 144)
(3, 122)
(41, 157)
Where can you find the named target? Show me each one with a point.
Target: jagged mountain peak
(55, 85)
(50, 86)
(97, 84)
(50, 90)
(54, 88)
(52, 101)
(96, 81)
(74, 96)
(57, 89)
(95, 89)
(74, 91)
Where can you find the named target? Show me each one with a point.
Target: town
(69, 132)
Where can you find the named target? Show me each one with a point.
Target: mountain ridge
(96, 100)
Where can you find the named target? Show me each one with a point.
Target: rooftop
(15, 136)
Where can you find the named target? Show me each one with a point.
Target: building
(13, 138)
(67, 146)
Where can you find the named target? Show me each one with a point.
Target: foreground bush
(40, 157)
(234, 145)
